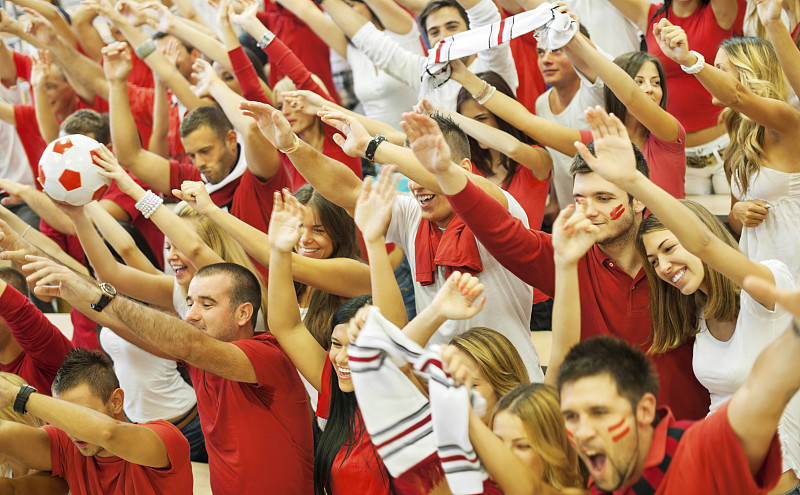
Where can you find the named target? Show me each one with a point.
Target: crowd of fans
(334, 225)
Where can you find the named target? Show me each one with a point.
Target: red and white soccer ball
(67, 171)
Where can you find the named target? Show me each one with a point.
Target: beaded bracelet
(149, 203)
(489, 93)
(482, 92)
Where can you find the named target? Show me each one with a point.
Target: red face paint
(617, 212)
(616, 426)
(619, 436)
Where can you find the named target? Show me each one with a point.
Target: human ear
(646, 410)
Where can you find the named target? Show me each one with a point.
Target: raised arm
(331, 178)
(19, 236)
(45, 116)
(149, 167)
(322, 25)
(769, 11)
(573, 236)
(41, 204)
(756, 408)
(454, 301)
(373, 215)
(726, 89)
(392, 16)
(544, 131)
(120, 239)
(156, 60)
(134, 443)
(148, 287)
(636, 11)
(38, 483)
(171, 336)
(648, 112)
(536, 159)
(504, 467)
(159, 134)
(262, 157)
(615, 162)
(82, 25)
(182, 236)
(53, 16)
(343, 277)
(285, 230)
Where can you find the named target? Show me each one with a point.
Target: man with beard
(614, 293)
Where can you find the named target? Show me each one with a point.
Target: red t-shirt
(612, 303)
(311, 50)
(531, 83)
(329, 149)
(357, 468)
(667, 162)
(688, 100)
(30, 137)
(709, 460)
(43, 344)
(140, 75)
(258, 435)
(246, 198)
(116, 476)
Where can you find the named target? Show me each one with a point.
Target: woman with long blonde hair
(764, 131)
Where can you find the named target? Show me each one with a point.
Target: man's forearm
(161, 331)
(331, 178)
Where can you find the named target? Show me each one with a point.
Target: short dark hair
(244, 285)
(84, 367)
(85, 121)
(627, 366)
(212, 117)
(454, 137)
(579, 165)
(438, 5)
(347, 311)
(15, 279)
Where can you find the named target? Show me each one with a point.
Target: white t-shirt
(608, 27)
(153, 387)
(508, 301)
(14, 165)
(408, 67)
(588, 95)
(722, 367)
(383, 97)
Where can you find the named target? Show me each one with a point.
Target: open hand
(117, 63)
(427, 142)
(356, 138)
(455, 300)
(374, 205)
(573, 234)
(303, 100)
(53, 279)
(41, 68)
(286, 224)
(204, 76)
(271, 122)
(14, 190)
(614, 160)
(104, 158)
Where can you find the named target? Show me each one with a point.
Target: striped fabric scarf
(405, 427)
(552, 30)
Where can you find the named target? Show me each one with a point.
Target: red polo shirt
(612, 303)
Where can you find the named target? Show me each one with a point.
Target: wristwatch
(24, 393)
(265, 40)
(108, 293)
(372, 147)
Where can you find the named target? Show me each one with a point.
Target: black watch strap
(372, 147)
(24, 393)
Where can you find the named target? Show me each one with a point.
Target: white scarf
(552, 30)
(405, 428)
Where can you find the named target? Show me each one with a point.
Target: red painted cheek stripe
(620, 435)
(614, 427)
(617, 212)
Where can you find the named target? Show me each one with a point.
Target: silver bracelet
(698, 66)
(145, 49)
(149, 204)
(489, 93)
(22, 235)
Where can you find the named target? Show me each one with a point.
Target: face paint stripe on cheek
(617, 212)
(619, 436)
(616, 426)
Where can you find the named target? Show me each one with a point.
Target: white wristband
(149, 203)
(698, 66)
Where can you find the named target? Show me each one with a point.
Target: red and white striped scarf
(552, 30)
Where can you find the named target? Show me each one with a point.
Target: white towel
(405, 428)
(552, 30)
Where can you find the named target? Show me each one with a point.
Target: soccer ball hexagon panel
(67, 171)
